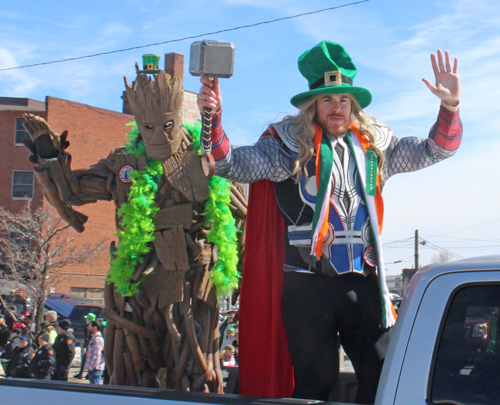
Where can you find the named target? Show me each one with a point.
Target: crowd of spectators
(49, 354)
(228, 340)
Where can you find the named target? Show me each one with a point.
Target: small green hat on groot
(150, 64)
(329, 69)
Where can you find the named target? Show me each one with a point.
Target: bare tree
(441, 256)
(35, 244)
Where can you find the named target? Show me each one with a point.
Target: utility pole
(416, 249)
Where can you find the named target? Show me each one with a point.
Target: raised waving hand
(447, 81)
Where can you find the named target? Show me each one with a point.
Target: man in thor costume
(313, 261)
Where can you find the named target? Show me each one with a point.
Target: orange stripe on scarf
(379, 202)
(318, 249)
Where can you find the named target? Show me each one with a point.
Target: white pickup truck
(444, 349)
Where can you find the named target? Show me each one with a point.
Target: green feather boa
(137, 222)
(223, 233)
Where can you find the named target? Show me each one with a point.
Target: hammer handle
(206, 133)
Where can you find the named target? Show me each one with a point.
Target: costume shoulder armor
(287, 133)
(384, 135)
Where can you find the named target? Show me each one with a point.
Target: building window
(21, 133)
(96, 295)
(22, 184)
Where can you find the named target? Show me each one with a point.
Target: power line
(402, 246)
(396, 241)
(186, 38)
(443, 249)
(406, 243)
(474, 247)
(427, 244)
(460, 239)
(406, 259)
(465, 229)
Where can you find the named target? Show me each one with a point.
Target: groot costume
(160, 302)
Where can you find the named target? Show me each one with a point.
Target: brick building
(93, 132)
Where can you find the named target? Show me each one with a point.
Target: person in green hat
(88, 319)
(316, 212)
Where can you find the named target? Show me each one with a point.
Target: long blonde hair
(305, 132)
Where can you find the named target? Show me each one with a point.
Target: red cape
(264, 361)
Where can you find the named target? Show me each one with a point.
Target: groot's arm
(61, 186)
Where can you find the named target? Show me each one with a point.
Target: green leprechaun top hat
(329, 69)
(150, 64)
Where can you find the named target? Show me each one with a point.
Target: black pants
(315, 308)
(82, 365)
(61, 373)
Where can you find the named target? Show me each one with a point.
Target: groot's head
(157, 108)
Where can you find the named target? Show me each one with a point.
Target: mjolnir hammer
(210, 59)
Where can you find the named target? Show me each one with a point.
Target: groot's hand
(54, 172)
(44, 142)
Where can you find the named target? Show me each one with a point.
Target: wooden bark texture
(186, 175)
(177, 341)
(167, 334)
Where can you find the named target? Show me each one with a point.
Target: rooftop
(21, 104)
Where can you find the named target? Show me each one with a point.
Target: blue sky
(455, 204)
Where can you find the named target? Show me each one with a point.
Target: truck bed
(36, 392)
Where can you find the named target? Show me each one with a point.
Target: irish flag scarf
(324, 164)
(360, 146)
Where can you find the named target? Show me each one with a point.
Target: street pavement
(72, 372)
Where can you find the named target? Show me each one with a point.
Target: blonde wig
(305, 132)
